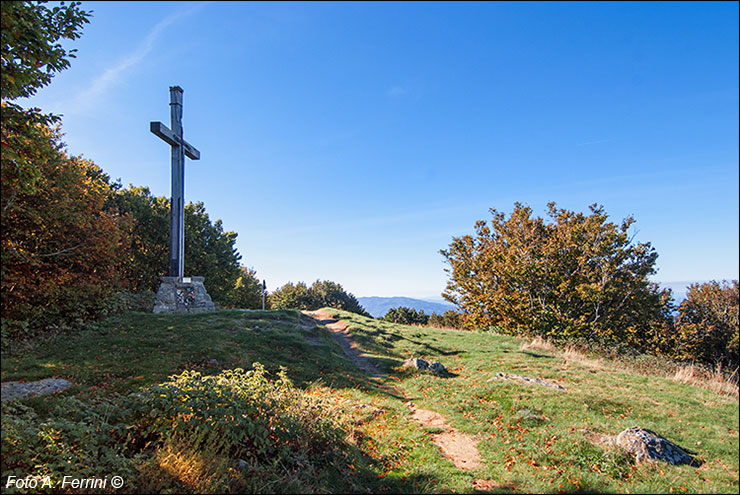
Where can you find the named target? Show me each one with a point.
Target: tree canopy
(575, 276)
(29, 41)
(320, 294)
(209, 250)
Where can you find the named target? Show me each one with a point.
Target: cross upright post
(178, 294)
(177, 205)
(180, 148)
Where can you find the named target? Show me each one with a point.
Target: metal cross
(180, 148)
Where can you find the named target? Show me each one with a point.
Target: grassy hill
(350, 433)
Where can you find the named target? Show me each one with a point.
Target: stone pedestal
(182, 295)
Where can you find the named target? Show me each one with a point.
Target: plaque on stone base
(182, 295)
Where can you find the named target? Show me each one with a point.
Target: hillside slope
(529, 437)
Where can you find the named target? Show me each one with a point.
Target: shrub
(77, 439)
(240, 414)
(123, 301)
(286, 437)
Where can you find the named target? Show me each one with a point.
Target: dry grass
(539, 343)
(570, 353)
(177, 469)
(715, 380)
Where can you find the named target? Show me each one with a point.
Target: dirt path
(340, 332)
(460, 448)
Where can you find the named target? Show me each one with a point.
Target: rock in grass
(526, 379)
(648, 446)
(18, 390)
(434, 366)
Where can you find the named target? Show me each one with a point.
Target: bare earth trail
(460, 448)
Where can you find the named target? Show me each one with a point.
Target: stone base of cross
(182, 295)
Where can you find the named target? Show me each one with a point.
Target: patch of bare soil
(458, 447)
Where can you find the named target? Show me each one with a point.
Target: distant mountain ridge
(379, 306)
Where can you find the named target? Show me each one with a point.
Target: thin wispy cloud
(397, 91)
(588, 143)
(111, 76)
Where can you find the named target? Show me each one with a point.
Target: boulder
(434, 366)
(648, 446)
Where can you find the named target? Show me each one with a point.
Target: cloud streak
(89, 96)
(588, 143)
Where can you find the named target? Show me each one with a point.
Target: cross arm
(166, 135)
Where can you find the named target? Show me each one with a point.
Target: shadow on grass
(396, 337)
(535, 355)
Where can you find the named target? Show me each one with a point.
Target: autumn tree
(576, 276)
(707, 324)
(60, 249)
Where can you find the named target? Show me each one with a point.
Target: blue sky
(352, 141)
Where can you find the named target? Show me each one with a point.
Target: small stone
(417, 363)
(241, 463)
(213, 362)
(437, 368)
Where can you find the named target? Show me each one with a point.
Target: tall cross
(180, 148)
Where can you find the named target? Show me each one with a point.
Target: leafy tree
(577, 276)
(61, 251)
(247, 292)
(328, 293)
(30, 55)
(209, 251)
(320, 294)
(406, 316)
(448, 319)
(291, 296)
(148, 236)
(707, 324)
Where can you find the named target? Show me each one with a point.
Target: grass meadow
(531, 437)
